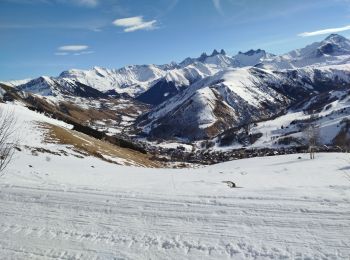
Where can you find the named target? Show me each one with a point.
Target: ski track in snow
(83, 224)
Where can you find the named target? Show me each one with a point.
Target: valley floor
(84, 208)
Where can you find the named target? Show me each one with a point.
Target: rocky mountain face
(213, 104)
(202, 97)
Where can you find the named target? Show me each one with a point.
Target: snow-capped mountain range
(202, 97)
(136, 79)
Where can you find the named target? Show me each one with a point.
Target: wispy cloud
(325, 31)
(75, 50)
(136, 23)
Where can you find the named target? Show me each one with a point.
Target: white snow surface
(285, 207)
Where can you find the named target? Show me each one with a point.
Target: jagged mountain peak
(215, 58)
(215, 52)
(334, 44)
(251, 57)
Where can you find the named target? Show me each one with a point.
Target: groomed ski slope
(71, 208)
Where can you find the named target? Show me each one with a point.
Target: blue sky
(45, 37)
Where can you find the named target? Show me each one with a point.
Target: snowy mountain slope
(39, 134)
(299, 84)
(331, 110)
(92, 109)
(285, 208)
(108, 115)
(177, 80)
(213, 104)
(334, 50)
(131, 80)
(49, 86)
(237, 96)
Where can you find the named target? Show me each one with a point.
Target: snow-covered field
(61, 206)
(71, 208)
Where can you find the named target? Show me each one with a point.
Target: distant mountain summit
(333, 50)
(334, 45)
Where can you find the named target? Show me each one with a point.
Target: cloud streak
(325, 31)
(73, 48)
(136, 23)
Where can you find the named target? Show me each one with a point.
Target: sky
(46, 37)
